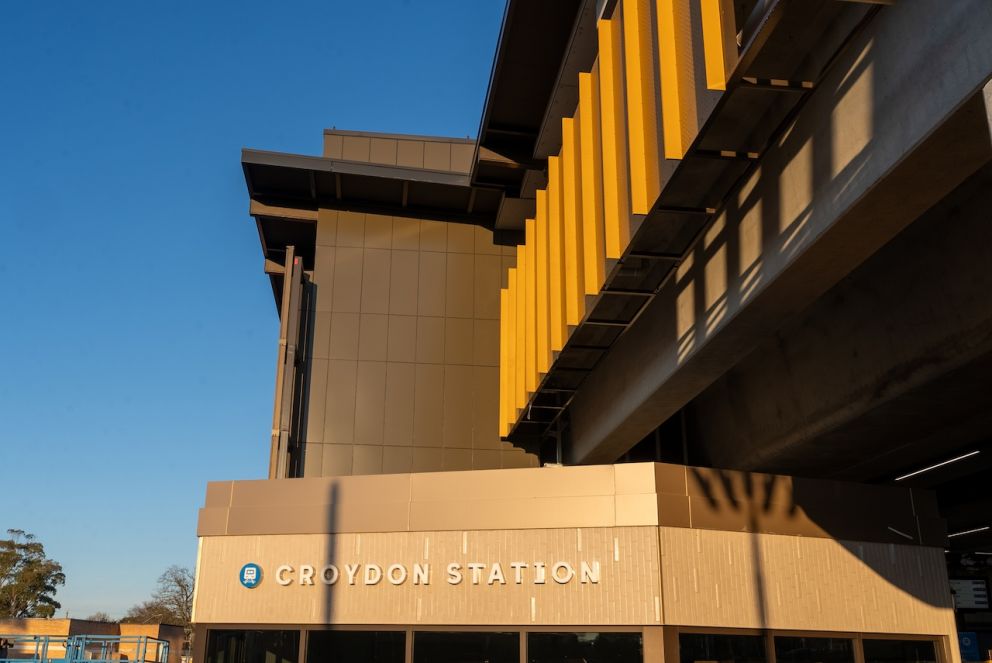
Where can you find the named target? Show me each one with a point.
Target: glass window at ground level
(356, 646)
(900, 651)
(253, 646)
(584, 647)
(433, 647)
(696, 647)
(814, 650)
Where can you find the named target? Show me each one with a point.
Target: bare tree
(100, 616)
(171, 603)
(149, 612)
(175, 594)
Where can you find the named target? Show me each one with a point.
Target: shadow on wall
(849, 513)
(825, 166)
(325, 613)
(771, 218)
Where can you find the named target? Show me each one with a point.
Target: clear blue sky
(138, 335)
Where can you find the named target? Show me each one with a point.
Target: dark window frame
(941, 643)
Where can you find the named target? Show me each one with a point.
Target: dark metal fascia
(324, 165)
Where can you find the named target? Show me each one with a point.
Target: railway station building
(687, 357)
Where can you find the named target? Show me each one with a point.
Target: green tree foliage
(28, 579)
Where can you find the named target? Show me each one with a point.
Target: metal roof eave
(250, 157)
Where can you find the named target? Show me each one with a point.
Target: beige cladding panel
(648, 576)
(636, 494)
(683, 573)
(406, 338)
(736, 579)
(434, 153)
(628, 591)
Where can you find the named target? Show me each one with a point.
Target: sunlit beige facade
(684, 358)
(639, 548)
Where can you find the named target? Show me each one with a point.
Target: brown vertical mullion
(199, 648)
(859, 652)
(294, 272)
(942, 648)
(301, 655)
(284, 308)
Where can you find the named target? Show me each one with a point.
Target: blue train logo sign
(250, 575)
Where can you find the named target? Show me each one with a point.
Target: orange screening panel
(642, 105)
(530, 301)
(678, 93)
(719, 41)
(510, 376)
(608, 169)
(520, 372)
(541, 274)
(616, 210)
(556, 257)
(504, 362)
(590, 147)
(572, 207)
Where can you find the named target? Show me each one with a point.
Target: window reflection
(466, 647)
(584, 647)
(814, 650)
(900, 651)
(356, 646)
(698, 647)
(253, 646)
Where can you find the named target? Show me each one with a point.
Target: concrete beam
(897, 124)
(891, 370)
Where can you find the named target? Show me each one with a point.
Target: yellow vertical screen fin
(592, 182)
(616, 211)
(642, 105)
(571, 179)
(504, 351)
(520, 368)
(719, 41)
(530, 299)
(678, 90)
(541, 267)
(556, 256)
(511, 359)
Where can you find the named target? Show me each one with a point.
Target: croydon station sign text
(455, 573)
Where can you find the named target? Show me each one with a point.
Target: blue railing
(82, 648)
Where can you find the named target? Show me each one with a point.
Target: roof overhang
(534, 39)
(286, 190)
(532, 42)
(298, 181)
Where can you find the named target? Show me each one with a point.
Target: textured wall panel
(406, 343)
(790, 582)
(627, 592)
